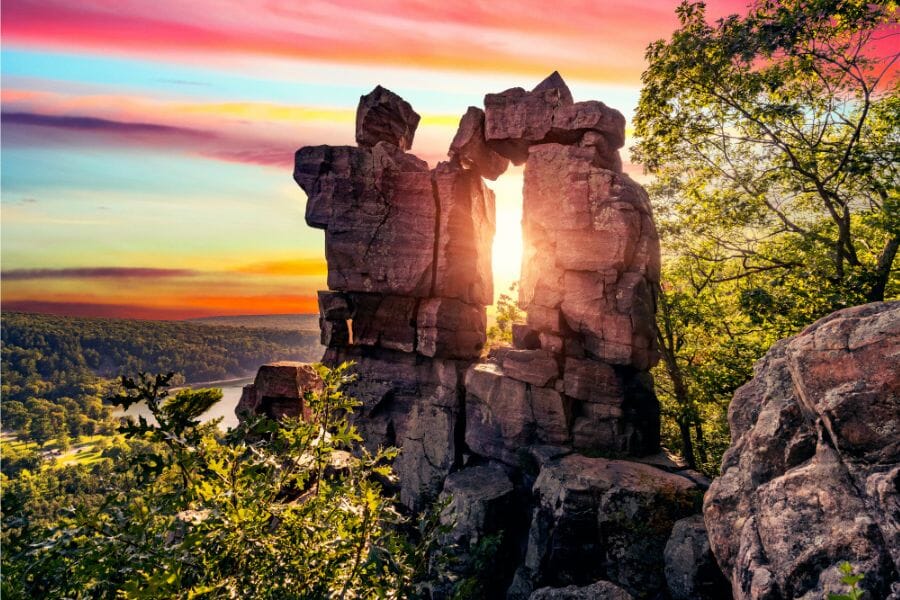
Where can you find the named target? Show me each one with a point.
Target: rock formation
(812, 477)
(278, 390)
(409, 277)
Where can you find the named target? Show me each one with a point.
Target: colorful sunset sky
(147, 146)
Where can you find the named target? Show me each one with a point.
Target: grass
(82, 451)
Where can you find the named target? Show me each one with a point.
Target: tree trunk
(883, 270)
(687, 445)
(701, 442)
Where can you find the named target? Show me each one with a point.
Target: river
(231, 394)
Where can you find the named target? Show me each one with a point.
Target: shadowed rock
(601, 590)
(599, 518)
(278, 390)
(812, 477)
(471, 150)
(383, 116)
(691, 569)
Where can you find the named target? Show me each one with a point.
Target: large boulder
(383, 116)
(378, 211)
(481, 516)
(599, 519)
(812, 477)
(471, 150)
(516, 119)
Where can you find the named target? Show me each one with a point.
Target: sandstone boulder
(471, 150)
(278, 391)
(812, 476)
(383, 116)
(525, 338)
(516, 119)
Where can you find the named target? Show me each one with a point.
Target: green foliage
(507, 313)
(287, 509)
(773, 138)
(851, 579)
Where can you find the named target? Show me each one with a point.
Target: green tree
(774, 139)
(507, 314)
(287, 509)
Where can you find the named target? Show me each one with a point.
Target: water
(231, 394)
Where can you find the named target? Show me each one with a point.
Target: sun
(507, 251)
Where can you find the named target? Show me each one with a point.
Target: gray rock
(691, 569)
(609, 519)
(601, 590)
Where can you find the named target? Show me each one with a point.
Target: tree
(508, 313)
(774, 142)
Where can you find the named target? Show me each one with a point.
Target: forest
(56, 370)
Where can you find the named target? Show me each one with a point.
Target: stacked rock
(578, 373)
(409, 276)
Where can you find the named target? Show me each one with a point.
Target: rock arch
(409, 264)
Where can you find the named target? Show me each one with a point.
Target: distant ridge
(293, 322)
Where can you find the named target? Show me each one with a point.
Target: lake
(231, 394)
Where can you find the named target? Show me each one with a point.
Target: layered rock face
(409, 277)
(812, 477)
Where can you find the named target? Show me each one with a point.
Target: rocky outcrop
(600, 519)
(409, 277)
(812, 477)
(278, 391)
(383, 116)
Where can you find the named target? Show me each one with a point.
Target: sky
(147, 145)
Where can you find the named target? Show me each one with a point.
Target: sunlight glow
(507, 252)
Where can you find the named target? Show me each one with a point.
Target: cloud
(82, 123)
(95, 273)
(298, 267)
(21, 129)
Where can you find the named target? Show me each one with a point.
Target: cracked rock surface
(812, 477)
